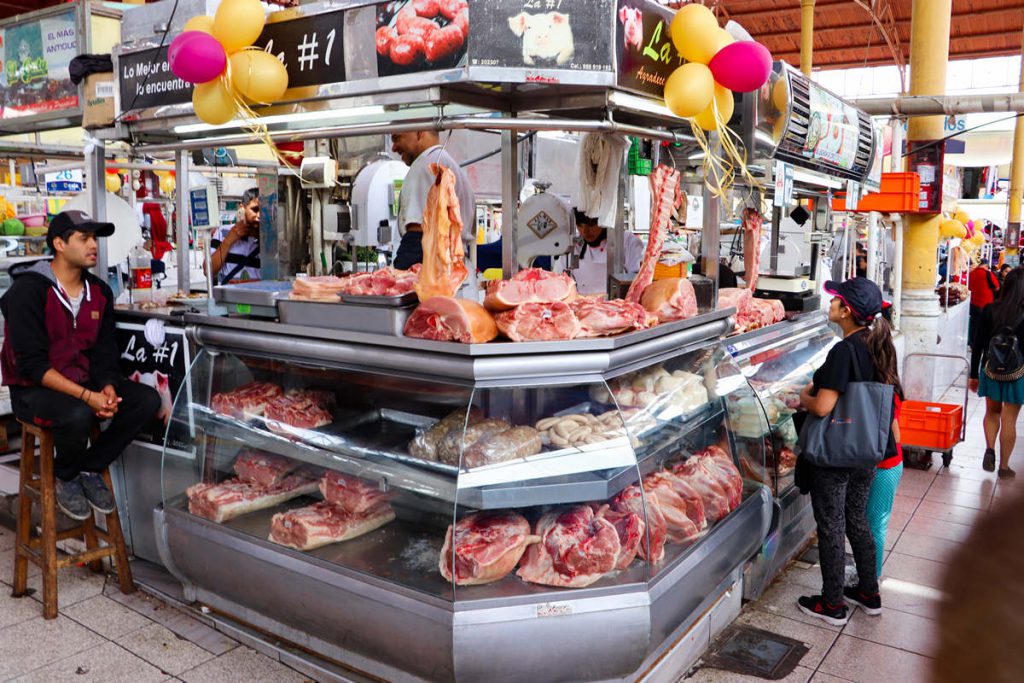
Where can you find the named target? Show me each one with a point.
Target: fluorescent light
(637, 103)
(299, 117)
(815, 179)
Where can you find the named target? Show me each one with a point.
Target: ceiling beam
(1014, 15)
(843, 60)
(858, 43)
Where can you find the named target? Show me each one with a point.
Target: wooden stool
(43, 550)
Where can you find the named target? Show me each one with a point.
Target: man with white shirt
(419, 150)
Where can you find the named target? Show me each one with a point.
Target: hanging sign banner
(36, 55)
(645, 54)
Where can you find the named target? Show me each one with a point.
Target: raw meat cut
(718, 463)
(264, 469)
(577, 548)
(670, 299)
(384, 282)
(322, 397)
(518, 442)
(234, 497)
(677, 511)
(600, 318)
(713, 495)
(485, 547)
(538, 322)
(652, 546)
(352, 494)
(734, 297)
(693, 500)
(751, 313)
(296, 410)
(532, 285)
(323, 523)
(443, 318)
(247, 400)
(752, 222)
(425, 444)
(319, 288)
(630, 527)
(457, 439)
(444, 267)
(665, 193)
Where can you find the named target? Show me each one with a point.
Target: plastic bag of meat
(425, 444)
(484, 547)
(511, 444)
(457, 440)
(577, 548)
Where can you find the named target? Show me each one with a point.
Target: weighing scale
(789, 263)
(255, 299)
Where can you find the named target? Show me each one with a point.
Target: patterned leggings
(880, 500)
(839, 497)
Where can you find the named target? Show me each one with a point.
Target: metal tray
(388, 320)
(261, 293)
(407, 299)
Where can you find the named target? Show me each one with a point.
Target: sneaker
(872, 605)
(71, 499)
(1007, 473)
(988, 461)
(815, 606)
(97, 493)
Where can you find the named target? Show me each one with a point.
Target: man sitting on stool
(60, 360)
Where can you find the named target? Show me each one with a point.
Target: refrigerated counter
(778, 361)
(402, 506)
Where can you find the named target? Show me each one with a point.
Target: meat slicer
(546, 227)
(789, 262)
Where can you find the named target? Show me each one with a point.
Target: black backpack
(1004, 361)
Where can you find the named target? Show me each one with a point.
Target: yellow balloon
(258, 75)
(202, 23)
(962, 216)
(238, 23)
(688, 91)
(723, 100)
(167, 185)
(213, 102)
(696, 34)
(113, 182)
(952, 228)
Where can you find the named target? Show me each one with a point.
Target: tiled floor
(102, 635)
(933, 514)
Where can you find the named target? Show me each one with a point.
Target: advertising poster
(311, 48)
(644, 51)
(421, 35)
(542, 34)
(833, 130)
(145, 80)
(36, 55)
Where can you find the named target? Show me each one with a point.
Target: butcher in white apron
(592, 273)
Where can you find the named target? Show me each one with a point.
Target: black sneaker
(988, 461)
(872, 605)
(71, 499)
(97, 493)
(815, 606)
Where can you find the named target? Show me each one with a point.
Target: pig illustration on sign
(545, 36)
(632, 20)
(161, 383)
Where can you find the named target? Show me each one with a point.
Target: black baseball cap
(73, 220)
(861, 295)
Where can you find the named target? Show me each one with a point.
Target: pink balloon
(743, 66)
(196, 57)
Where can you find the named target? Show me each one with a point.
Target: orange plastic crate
(930, 425)
(663, 272)
(899, 194)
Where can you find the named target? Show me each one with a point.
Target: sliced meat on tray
(352, 494)
(652, 545)
(247, 400)
(599, 318)
(444, 268)
(531, 285)
(264, 469)
(670, 299)
(539, 322)
(234, 497)
(318, 288)
(443, 318)
(323, 523)
(484, 547)
(577, 548)
(384, 282)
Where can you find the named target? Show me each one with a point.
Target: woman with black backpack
(996, 357)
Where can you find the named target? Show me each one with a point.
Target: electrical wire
(921, 148)
(142, 86)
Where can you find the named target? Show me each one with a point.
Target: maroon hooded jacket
(40, 332)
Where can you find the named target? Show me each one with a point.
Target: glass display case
(461, 495)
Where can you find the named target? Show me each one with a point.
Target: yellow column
(1016, 181)
(806, 36)
(929, 56)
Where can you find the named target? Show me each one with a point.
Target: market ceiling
(10, 8)
(854, 33)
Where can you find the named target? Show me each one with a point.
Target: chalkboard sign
(644, 49)
(573, 35)
(311, 48)
(145, 80)
(164, 368)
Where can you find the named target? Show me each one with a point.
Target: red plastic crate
(930, 425)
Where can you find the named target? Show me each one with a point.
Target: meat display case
(588, 487)
(778, 361)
